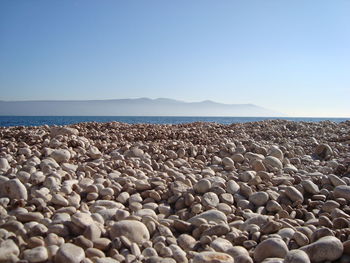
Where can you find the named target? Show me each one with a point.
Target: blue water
(7, 121)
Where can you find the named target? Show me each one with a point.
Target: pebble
(327, 248)
(296, 256)
(212, 257)
(342, 191)
(135, 231)
(210, 216)
(61, 155)
(271, 247)
(14, 189)
(37, 254)
(69, 253)
(9, 251)
(274, 190)
(259, 198)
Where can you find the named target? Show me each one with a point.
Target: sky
(289, 56)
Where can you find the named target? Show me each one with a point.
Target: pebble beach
(272, 191)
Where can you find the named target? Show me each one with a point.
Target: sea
(8, 121)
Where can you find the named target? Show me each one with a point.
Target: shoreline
(10, 121)
(191, 192)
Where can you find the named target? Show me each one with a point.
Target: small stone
(212, 257)
(69, 253)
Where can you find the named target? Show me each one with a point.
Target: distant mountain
(132, 107)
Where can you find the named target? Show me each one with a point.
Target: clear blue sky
(290, 56)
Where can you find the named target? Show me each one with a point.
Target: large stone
(210, 199)
(14, 189)
(69, 253)
(9, 251)
(270, 248)
(273, 162)
(210, 215)
(327, 248)
(323, 151)
(135, 231)
(259, 198)
(37, 254)
(54, 131)
(296, 256)
(94, 152)
(342, 191)
(293, 194)
(61, 155)
(212, 257)
(310, 187)
(202, 186)
(232, 187)
(4, 165)
(82, 219)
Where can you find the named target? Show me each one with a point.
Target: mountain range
(132, 107)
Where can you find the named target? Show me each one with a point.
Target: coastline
(153, 192)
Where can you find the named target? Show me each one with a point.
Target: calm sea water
(64, 120)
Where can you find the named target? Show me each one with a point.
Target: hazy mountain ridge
(132, 107)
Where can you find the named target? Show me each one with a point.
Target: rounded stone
(202, 186)
(342, 191)
(293, 194)
(212, 257)
(270, 248)
(37, 254)
(61, 155)
(210, 215)
(210, 199)
(14, 189)
(296, 256)
(271, 161)
(327, 248)
(134, 230)
(259, 198)
(69, 253)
